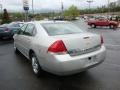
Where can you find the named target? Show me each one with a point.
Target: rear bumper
(66, 65)
(7, 34)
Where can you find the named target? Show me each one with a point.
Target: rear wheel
(35, 65)
(93, 25)
(112, 26)
(16, 50)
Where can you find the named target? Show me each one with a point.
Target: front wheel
(36, 66)
(93, 26)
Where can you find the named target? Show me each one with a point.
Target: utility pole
(1, 8)
(26, 9)
(33, 7)
(62, 9)
(89, 2)
(108, 7)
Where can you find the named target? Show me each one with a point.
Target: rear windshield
(61, 28)
(15, 24)
(4, 25)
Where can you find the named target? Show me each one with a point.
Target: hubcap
(93, 25)
(112, 26)
(35, 65)
(14, 47)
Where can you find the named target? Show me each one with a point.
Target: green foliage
(102, 9)
(72, 12)
(38, 17)
(17, 16)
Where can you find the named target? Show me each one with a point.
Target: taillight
(102, 41)
(7, 30)
(58, 47)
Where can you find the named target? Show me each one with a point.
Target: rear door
(28, 36)
(105, 22)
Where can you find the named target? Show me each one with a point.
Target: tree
(102, 9)
(5, 18)
(72, 12)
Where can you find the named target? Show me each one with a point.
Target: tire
(112, 26)
(16, 50)
(93, 26)
(35, 65)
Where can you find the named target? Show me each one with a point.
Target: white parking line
(116, 65)
(113, 45)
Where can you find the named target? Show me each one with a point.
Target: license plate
(94, 58)
(91, 61)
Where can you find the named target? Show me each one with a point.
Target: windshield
(61, 29)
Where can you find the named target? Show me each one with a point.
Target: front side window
(61, 28)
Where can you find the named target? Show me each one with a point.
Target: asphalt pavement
(16, 72)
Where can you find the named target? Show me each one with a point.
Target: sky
(43, 5)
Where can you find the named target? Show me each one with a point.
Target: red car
(103, 22)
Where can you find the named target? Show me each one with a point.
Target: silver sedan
(59, 47)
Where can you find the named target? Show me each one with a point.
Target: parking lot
(16, 72)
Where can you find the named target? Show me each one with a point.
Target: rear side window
(30, 30)
(22, 29)
(61, 28)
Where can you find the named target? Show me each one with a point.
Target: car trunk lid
(78, 44)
